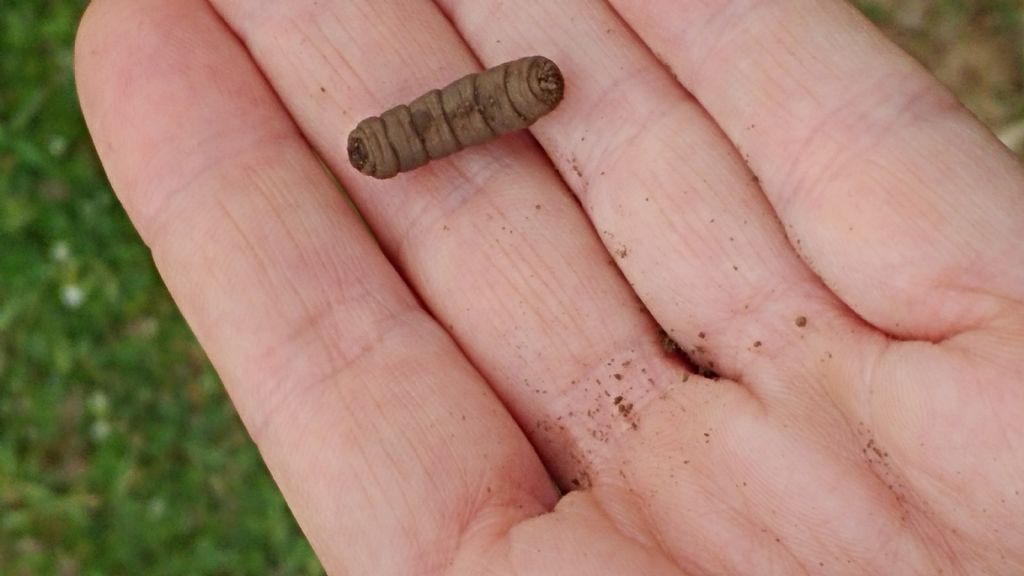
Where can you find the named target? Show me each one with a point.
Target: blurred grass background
(119, 452)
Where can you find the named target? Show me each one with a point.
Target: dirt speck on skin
(873, 448)
(705, 367)
(668, 344)
(622, 253)
(800, 321)
(625, 408)
(576, 167)
(581, 481)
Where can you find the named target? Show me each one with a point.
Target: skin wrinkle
(371, 434)
(150, 220)
(684, 563)
(440, 550)
(659, 544)
(339, 364)
(916, 508)
(723, 27)
(830, 128)
(559, 299)
(571, 507)
(477, 521)
(264, 187)
(357, 290)
(701, 481)
(889, 477)
(728, 483)
(609, 101)
(264, 265)
(487, 172)
(595, 454)
(337, 57)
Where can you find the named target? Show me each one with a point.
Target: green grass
(119, 452)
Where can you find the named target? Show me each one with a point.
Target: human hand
(863, 301)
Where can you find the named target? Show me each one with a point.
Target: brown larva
(469, 111)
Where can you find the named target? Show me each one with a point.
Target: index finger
(387, 444)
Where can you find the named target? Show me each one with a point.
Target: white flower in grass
(60, 252)
(57, 145)
(157, 507)
(100, 430)
(98, 404)
(72, 296)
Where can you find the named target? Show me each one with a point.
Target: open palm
(848, 393)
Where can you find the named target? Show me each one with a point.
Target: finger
(700, 444)
(386, 443)
(675, 204)
(490, 238)
(903, 203)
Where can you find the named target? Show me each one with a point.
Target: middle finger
(491, 239)
(674, 200)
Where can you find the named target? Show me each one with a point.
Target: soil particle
(582, 481)
(668, 344)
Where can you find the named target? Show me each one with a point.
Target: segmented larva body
(469, 111)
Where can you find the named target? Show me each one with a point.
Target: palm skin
(861, 298)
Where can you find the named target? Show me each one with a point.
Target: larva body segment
(472, 110)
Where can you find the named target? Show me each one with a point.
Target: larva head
(369, 151)
(546, 82)
(358, 154)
